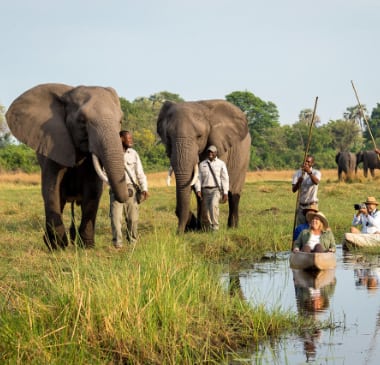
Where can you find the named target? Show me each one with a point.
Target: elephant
(370, 161)
(74, 131)
(346, 162)
(186, 129)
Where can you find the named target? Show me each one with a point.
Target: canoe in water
(361, 240)
(312, 261)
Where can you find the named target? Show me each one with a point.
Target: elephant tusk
(196, 174)
(99, 170)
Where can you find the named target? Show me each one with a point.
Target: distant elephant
(370, 161)
(187, 129)
(346, 162)
(69, 128)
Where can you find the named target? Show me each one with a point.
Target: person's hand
(363, 211)
(296, 249)
(377, 150)
(199, 195)
(225, 198)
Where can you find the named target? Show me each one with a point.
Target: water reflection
(348, 296)
(313, 291)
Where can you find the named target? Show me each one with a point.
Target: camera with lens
(359, 206)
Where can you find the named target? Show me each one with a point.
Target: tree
(346, 135)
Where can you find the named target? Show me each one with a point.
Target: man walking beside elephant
(306, 179)
(212, 186)
(136, 178)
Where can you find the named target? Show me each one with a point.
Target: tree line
(274, 146)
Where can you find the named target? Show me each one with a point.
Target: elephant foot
(233, 222)
(53, 243)
(86, 244)
(192, 223)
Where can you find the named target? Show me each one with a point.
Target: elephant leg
(89, 206)
(233, 215)
(51, 178)
(372, 172)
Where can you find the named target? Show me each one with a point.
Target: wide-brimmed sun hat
(312, 207)
(371, 200)
(310, 215)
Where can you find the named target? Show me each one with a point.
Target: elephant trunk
(108, 149)
(183, 191)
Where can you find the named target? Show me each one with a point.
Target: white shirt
(308, 190)
(206, 179)
(133, 163)
(370, 223)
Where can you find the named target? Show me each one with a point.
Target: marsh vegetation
(161, 301)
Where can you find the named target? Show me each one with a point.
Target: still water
(348, 296)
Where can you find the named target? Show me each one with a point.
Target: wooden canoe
(312, 261)
(360, 240)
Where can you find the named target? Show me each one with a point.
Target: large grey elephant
(69, 128)
(370, 161)
(187, 129)
(346, 162)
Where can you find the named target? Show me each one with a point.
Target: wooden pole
(364, 117)
(304, 159)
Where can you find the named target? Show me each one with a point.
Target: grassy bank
(158, 303)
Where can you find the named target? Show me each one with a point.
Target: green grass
(160, 302)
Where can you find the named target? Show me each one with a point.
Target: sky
(288, 52)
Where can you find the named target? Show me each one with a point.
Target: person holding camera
(135, 177)
(367, 216)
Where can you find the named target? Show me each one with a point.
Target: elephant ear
(37, 118)
(228, 124)
(162, 124)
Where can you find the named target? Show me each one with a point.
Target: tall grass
(159, 302)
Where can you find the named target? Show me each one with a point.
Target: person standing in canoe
(367, 216)
(306, 179)
(317, 238)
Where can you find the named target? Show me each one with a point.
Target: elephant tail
(73, 231)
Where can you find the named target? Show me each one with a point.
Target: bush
(18, 157)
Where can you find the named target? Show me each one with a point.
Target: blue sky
(284, 51)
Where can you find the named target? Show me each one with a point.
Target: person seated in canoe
(318, 237)
(367, 216)
(301, 227)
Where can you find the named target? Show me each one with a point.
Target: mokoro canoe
(312, 261)
(360, 240)
(313, 279)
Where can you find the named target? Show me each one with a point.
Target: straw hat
(312, 207)
(310, 215)
(371, 200)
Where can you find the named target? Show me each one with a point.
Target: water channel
(348, 297)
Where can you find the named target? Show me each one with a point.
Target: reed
(160, 302)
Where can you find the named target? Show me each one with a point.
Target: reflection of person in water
(313, 293)
(367, 278)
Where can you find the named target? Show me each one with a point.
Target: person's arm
(374, 221)
(297, 181)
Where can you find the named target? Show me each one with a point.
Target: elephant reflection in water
(313, 292)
